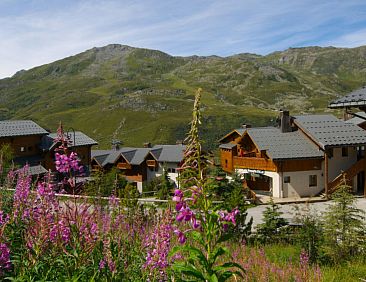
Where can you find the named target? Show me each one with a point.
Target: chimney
(147, 145)
(116, 144)
(245, 126)
(285, 121)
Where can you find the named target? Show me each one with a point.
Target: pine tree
(272, 221)
(165, 186)
(344, 228)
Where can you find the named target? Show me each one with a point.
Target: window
(313, 180)
(22, 149)
(344, 152)
(225, 163)
(330, 153)
(30, 148)
(286, 179)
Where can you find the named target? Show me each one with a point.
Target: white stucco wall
(299, 184)
(139, 186)
(337, 163)
(172, 175)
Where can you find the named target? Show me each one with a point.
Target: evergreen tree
(344, 228)
(6, 158)
(272, 221)
(165, 186)
(310, 235)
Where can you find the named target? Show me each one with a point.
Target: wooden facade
(83, 152)
(245, 155)
(23, 146)
(132, 172)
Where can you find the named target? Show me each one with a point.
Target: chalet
(24, 138)
(140, 165)
(359, 119)
(34, 146)
(355, 99)
(303, 156)
(79, 142)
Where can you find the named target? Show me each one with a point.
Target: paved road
(289, 209)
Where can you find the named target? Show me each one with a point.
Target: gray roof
(279, 145)
(357, 120)
(10, 128)
(169, 153)
(240, 131)
(139, 156)
(228, 145)
(327, 130)
(356, 98)
(37, 170)
(81, 139)
(135, 156)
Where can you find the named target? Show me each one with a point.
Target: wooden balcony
(151, 163)
(134, 178)
(254, 163)
(123, 166)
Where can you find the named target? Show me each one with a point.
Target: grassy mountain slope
(139, 95)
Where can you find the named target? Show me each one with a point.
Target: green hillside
(139, 95)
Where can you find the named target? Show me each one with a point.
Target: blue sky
(41, 31)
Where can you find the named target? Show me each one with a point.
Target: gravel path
(289, 209)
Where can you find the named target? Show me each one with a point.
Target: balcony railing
(254, 163)
(151, 163)
(123, 166)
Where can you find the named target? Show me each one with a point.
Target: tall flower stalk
(207, 259)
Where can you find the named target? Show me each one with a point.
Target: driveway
(289, 209)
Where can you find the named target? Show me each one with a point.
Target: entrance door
(360, 183)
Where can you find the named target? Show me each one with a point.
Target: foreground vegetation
(45, 239)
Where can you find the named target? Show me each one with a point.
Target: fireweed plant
(67, 163)
(205, 257)
(44, 238)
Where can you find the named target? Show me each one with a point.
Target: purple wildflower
(102, 264)
(5, 263)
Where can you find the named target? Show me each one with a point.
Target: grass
(354, 270)
(91, 95)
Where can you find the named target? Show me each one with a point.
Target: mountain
(140, 95)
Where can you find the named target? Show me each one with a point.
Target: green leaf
(216, 253)
(197, 236)
(189, 270)
(229, 265)
(213, 278)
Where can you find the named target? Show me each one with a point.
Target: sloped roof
(37, 170)
(357, 120)
(139, 155)
(135, 156)
(81, 139)
(240, 131)
(356, 98)
(279, 145)
(169, 153)
(327, 130)
(10, 128)
(228, 145)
